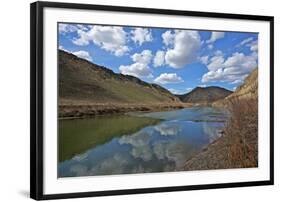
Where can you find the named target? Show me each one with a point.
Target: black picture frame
(36, 98)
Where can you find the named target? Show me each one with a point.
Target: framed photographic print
(136, 100)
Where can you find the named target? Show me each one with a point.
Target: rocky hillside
(83, 82)
(248, 90)
(205, 95)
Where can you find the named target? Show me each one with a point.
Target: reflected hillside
(149, 145)
(76, 136)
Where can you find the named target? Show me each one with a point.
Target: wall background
(14, 100)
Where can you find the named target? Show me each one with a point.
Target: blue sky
(178, 60)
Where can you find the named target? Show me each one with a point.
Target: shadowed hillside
(205, 95)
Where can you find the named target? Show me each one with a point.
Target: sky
(176, 59)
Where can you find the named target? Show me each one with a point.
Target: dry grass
(238, 147)
(242, 133)
(70, 109)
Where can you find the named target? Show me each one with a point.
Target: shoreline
(212, 156)
(84, 110)
(238, 145)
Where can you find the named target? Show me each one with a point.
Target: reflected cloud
(164, 147)
(140, 145)
(144, 147)
(80, 157)
(177, 152)
(168, 129)
(114, 165)
(212, 130)
(79, 169)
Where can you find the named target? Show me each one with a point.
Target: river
(136, 142)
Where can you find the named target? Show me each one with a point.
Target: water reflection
(168, 129)
(165, 146)
(212, 132)
(77, 136)
(140, 145)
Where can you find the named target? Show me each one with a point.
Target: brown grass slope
(80, 80)
(87, 89)
(205, 95)
(238, 147)
(249, 89)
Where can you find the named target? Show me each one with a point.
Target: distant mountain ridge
(205, 95)
(81, 80)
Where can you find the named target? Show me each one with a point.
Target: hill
(205, 95)
(89, 89)
(248, 90)
(81, 80)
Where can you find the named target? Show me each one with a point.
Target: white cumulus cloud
(159, 58)
(210, 46)
(253, 46)
(166, 78)
(245, 41)
(62, 48)
(83, 54)
(141, 35)
(204, 59)
(144, 57)
(215, 36)
(68, 27)
(168, 38)
(64, 28)
(110, 38)
(216, 62)
(140, 66)
(233, 69)
(185, 48)
(180, 91)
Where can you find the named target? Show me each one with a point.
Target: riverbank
(80, 110)
(238, 146)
